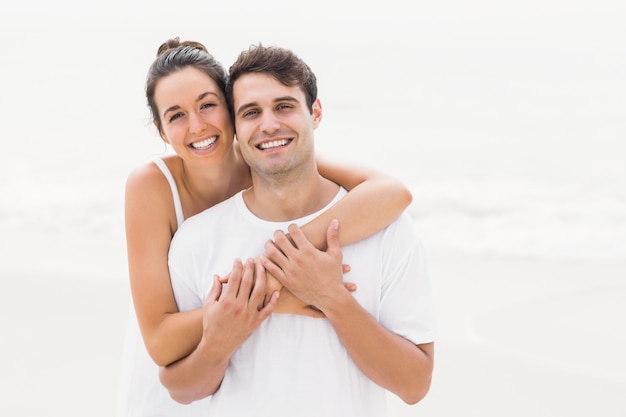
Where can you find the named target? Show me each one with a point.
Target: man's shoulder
(405, 222)
(399, 239)
(403, 225)
(401, 233)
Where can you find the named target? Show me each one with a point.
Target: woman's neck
(204, 186)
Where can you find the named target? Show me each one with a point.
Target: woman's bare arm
(150, 224)
(374, 201)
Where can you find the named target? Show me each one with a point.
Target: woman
(192, 115)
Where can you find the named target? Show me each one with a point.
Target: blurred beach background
(506, 119)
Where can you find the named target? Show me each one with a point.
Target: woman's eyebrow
(200, 97)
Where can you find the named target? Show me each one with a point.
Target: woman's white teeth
(204, 144)
(273, 144)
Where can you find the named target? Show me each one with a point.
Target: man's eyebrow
(200, 98)
(246, 106)
(287, 98)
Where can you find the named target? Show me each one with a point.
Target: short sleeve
(406, 298)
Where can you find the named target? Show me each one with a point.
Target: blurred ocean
(507, 122)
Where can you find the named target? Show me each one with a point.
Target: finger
(234, 279)
(257, 296)
(346, 268)
(332, 236)
(269, 307)
(247, 280)
(350, 286)
(266, 300)
(272, 268)
(273, 253)
(216, 289)
(224, 279)
(260, 280)
(271, 284)
(297, 236)
(288, 245)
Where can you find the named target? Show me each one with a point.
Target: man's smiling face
(274, 125)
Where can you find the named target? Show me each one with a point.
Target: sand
(517, 337)
(527, 338)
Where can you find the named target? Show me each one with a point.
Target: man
(255, 363)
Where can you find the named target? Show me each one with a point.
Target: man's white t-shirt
(294, 365)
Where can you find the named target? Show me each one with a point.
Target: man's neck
(282, 201)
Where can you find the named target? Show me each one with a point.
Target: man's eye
(250, 113)
(284, 106)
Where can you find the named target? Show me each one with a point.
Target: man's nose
(269, 123)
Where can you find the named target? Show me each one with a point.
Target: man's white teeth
(204, 144)
(273, 144)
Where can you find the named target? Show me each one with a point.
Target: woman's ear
(158, 128)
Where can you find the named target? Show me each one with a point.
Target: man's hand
(311, 275)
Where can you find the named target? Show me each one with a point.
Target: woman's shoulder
(149, 172)
(148, 196)
(149, 178)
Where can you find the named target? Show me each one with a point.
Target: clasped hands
(304, 276)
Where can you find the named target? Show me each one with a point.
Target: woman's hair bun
(176, 43)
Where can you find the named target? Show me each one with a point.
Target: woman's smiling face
(194, 115)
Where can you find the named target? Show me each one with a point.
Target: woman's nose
(196, 123)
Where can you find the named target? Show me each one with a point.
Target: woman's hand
(271, 285)
(231, 314)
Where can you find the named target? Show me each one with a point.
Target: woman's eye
(207, 105)
(175, 116)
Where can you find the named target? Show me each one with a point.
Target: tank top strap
(178, 207)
